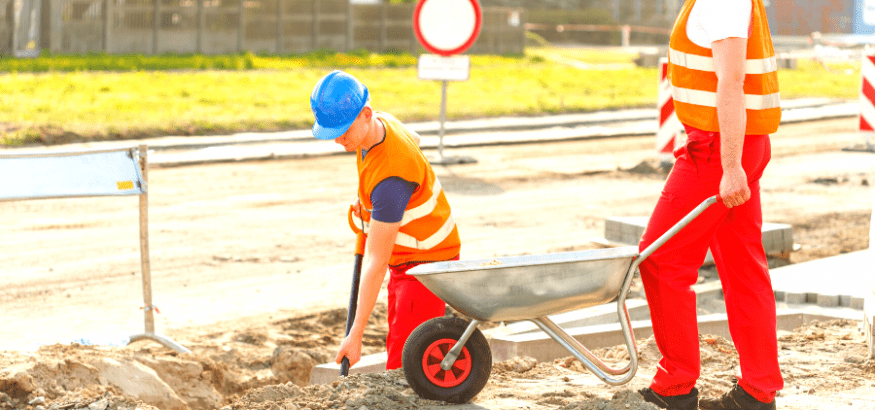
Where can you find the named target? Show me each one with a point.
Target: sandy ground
(251, 265)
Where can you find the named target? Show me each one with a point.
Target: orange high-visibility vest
(428, 230)
(694, 80)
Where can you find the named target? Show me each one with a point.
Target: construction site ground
(251, 266)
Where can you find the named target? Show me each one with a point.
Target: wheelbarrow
(449, 359)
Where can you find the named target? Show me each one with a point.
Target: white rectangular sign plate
(869, 12)
(71, 174)
(435, 67)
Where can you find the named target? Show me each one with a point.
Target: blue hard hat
(337, 100)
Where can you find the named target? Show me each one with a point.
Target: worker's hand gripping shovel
(354, 293)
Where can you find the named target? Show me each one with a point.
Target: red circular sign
(447, 27)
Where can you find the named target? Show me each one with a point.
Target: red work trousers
(735, 238)
(410, 304)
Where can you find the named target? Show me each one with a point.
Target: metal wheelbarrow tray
(449, 358)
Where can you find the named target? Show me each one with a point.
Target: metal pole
(144, 243)
(638, 11)
(200, 27)
(156, 25)
(314, 40)
(350, 27)
(384, 15)
(279, 26)
(443, 118)
(241, 25)
(107, 16)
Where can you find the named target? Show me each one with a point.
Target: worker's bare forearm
(732, 119)
(378, 251)
(369, 290)
(729, 62)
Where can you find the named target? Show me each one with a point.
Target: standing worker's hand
(351, 348)
(357, 208)
(733, 187)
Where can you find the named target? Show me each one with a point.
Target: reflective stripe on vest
(413, 214)
(426, 208)
(703, 63)
(709, 99)
(408, 241)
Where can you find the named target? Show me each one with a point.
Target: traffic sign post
(446, 28)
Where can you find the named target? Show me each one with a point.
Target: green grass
(242, 61)
(812, 79)
(585, 55)
(57, 107)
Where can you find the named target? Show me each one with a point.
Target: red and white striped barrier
(867, 95)
(669, 135)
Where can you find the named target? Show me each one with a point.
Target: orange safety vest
(428, 230)
(694, 80)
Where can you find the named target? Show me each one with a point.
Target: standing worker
(401, 208)
(725, 87)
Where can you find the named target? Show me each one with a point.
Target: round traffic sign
(447, 27)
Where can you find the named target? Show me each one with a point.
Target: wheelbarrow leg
(590, 361)
(451, 356)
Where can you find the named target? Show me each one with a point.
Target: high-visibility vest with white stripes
(694, 80)
(428, 230)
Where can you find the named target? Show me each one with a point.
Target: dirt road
(254, 240)
(251, 265)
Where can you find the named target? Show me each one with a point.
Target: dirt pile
(267, 368)
(387, 390)
(223, 366)
(622, 400)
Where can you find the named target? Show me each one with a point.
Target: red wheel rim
(431, 364)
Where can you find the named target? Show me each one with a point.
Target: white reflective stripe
(408, 241)
(434, 240)
(702, 63)
(709, 99)
(691, 61)
(426, 208)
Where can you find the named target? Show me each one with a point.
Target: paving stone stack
(777, 238)
(869, 321)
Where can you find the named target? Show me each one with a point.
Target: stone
(290, 364)
(99, 405)
(795, 297)
(138, 380)
(18, 386)
(827, 300)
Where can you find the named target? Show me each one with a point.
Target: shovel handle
(354, 294)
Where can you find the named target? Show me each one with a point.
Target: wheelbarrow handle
(594, 365)
(676, 228)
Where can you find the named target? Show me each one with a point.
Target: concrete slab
(329, 372)
(543, 348)
(840, 280)
(777, 238)
(597, 315)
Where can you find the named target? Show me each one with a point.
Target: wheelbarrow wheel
(426, 348)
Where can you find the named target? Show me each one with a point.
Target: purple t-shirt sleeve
(390, 198)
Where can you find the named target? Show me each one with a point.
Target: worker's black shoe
(736, 399)
(689, 401)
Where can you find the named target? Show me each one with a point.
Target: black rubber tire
(446, 328)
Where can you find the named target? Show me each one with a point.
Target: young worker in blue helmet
(401, 208)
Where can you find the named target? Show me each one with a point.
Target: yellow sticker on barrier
(125, 185)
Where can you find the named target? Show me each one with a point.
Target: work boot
(736, 399)
(687, 401)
